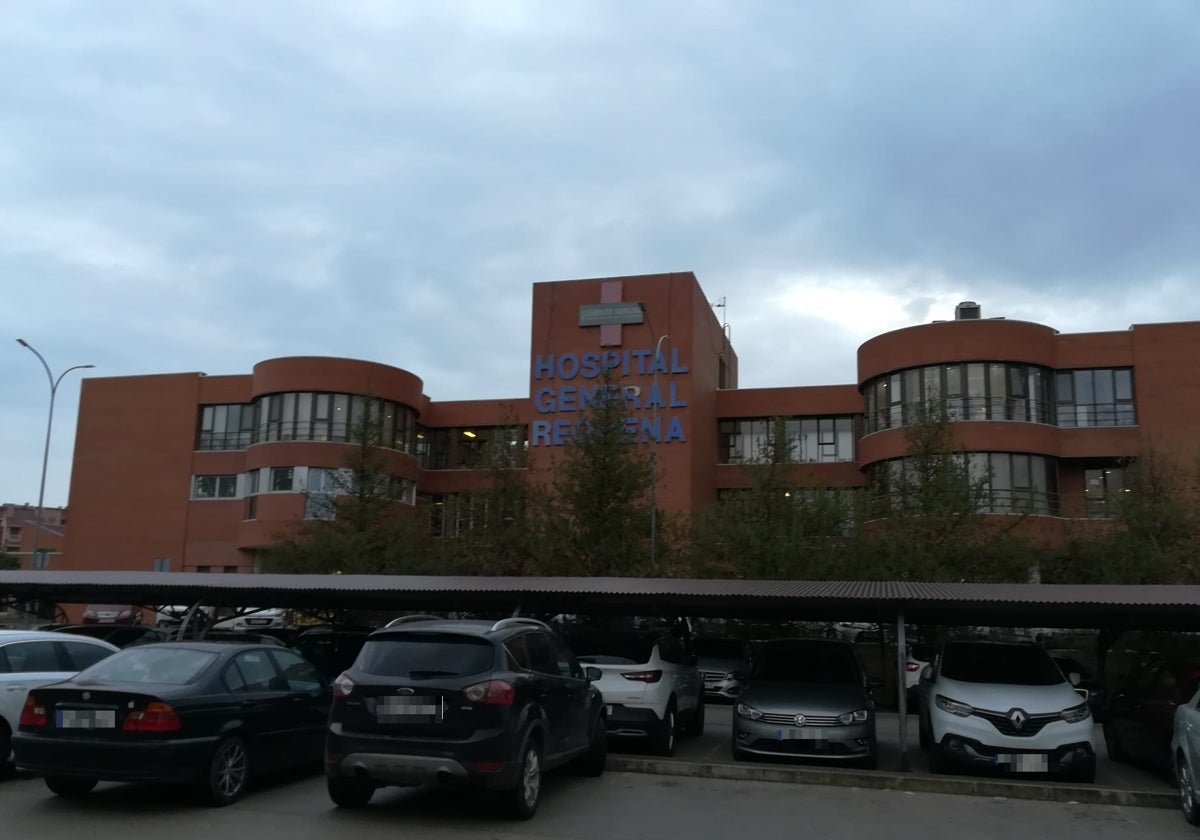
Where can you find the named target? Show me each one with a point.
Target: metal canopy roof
(1014, 605)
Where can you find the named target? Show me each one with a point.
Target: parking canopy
(992, 604)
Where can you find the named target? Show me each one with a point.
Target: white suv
(31, 659)
(1006, 707)
(651, 686)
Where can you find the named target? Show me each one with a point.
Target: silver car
(1185, 750)
(806, 698)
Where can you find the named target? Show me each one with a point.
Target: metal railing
(285, 430)
(957, 409)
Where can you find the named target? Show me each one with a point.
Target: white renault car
(1005, 707)
(652, 688)
(31, 659)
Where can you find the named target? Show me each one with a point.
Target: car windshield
(426, 655)
(1007, 664)
(719, 648)
(808, 662)
(169, 666)
(633, 647)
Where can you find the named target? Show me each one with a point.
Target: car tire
(592, 762)
(70, 788)
(695, 726)
(6, 764)
(1187, 793)
(228, 772)
(523, 800)
(668, 730)
(350, 793)
(1112, 742)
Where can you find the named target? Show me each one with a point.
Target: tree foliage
(9, 561)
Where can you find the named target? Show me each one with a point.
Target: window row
(793, 440)
(995, 482)
(320, 484)
(459, 514)
(309, 416)
(501, 447)
(1000, 391)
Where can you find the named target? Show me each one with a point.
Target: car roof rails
(516, 621)
(404, 619)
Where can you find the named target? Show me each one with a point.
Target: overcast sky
(192, 185)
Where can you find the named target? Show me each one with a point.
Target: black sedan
(208, 714)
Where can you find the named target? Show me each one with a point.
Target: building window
(204, 569)
(162, 564)
(231, 570)
(333, 417)
(1100, 490)
(214, 487)
(225, 427)
(793, 440)
(321, 491)
(1007, 482)
(1094, 397)
(959, 391)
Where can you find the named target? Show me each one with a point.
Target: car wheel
(1187, 793)
(664, 741)
(524, 798)
(6, 764)
(228, 772)
(696, 724)
(70, 788)
(592, 762)
(350, 793)
(1112, 743)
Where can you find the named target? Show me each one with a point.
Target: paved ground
(713, 747)
(626, 806)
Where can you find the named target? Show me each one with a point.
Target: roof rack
(404, 619)
(517, 620)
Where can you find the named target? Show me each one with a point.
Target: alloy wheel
(531, 778)
(1187, 797)
(230, 767)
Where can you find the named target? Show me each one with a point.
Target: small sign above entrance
(599, 314)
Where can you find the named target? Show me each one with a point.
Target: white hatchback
(31, 659)
(1005, 707)
(651, 686)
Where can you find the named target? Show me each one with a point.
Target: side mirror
(1075, 679)
(592, 673)
(927, 673)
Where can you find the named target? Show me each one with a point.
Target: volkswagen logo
(404, 691)
(799, 720)
(1018, 718)
(87, 695)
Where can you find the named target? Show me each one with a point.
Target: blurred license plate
(257, 621)
(814, 735)
(408, 708)
(711, 686)
(1024, 762)
(86, 719)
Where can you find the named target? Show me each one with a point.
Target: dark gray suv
(485, 704)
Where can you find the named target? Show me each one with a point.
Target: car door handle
(247, 703)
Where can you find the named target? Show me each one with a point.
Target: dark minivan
(485, 704)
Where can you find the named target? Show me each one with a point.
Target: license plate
(608, 710)
(409, 709)
(1024, 762)
(258, 621)
(814, 735)
(711, 686)
(86, 719)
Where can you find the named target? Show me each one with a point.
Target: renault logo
(799, 720)
(404, 691)
(1018, 718)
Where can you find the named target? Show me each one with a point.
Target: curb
(884, 780)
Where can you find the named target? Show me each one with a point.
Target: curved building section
(971, 437)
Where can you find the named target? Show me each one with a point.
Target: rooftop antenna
(720, 304)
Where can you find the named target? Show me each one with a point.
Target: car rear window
(169, 666)
(719, 648)
(1007, 664)
(821, 664)
(426, 655)
(633, 647)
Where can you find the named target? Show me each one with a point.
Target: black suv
(487, 704)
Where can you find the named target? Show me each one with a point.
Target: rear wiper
(425, 674)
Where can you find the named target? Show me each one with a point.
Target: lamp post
(37, 521)
(654, 458)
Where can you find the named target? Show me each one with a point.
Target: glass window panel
(304, 413)
(1123, 384)
(220, 414)
(1084, 391)
(233, 418)
(1064, 387)
(933, 383)
(341, 417)
(976, 408)
(281, 479)
(205, 487)
(1103, 380)
(998, 388)
(1020, 471)
(227, 486)
(206, 418)
(954, 385)
(913, 389)
(387, 425)
(1001, 471)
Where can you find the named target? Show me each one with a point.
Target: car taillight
(343, 686)
(32, 714)
(491, 693)
(912, 666)
(156, 717)
(642, 676)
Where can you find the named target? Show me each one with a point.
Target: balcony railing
(283, 430)
(956, 409)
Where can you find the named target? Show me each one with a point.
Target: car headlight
(748, 711)
(953, 706)
(857, 716)
(1076, 713)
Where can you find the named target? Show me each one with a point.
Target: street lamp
(37, 521)
(654, 457)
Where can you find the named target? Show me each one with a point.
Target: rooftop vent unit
(968, 310)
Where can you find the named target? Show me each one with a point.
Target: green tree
(927, 518)
(359, 519)
(593, 516)
(1153, 535)
(777, 526)
(9, 561)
